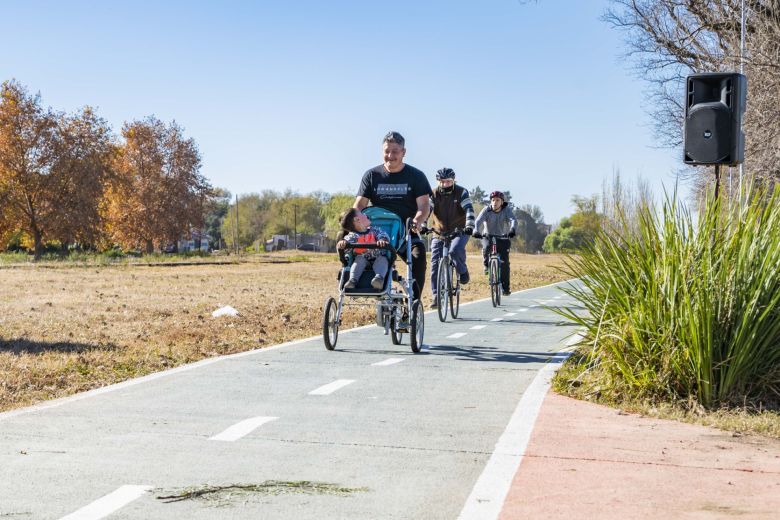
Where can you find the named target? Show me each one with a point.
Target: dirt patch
(66, 329)
(224, 495)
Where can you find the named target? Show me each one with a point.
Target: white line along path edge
(102, 507)
(488, 495)
(242, 428)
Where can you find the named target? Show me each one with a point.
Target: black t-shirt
(396, 192)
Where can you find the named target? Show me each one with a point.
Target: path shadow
(19, 346)
(512, 319)
(475, 353)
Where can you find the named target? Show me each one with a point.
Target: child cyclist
(497, 219)
(358, 230)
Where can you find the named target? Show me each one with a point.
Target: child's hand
(381, 243)
(341, 244)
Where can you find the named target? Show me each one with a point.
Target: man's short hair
(395, 137)
(347, 219)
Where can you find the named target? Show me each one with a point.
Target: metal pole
(717, 180)
(295, 226)
(235, 242)
(741, 66)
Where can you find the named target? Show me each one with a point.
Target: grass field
(67, 327)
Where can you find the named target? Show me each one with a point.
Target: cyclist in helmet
(452, 209)
(497, 219)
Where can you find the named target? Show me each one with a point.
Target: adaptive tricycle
(396, 313)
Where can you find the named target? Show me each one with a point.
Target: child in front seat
(359, 231)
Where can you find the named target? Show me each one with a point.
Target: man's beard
(447, 191)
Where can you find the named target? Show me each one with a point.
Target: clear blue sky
(529, 97)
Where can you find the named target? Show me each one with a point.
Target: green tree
(216, 209)
(575, 232)
(255, 212)
(331, 211)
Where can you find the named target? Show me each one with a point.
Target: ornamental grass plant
(680, 308)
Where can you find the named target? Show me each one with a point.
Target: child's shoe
(351, 283)
(377, 282)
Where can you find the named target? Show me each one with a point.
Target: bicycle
(494, 267)
(447, 291)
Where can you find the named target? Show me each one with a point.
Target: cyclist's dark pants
(419, 264)
(502, 246)
(458, 253)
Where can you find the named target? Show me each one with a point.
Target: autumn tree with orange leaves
(158, 194)
(52, 170)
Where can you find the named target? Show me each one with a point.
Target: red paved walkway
(589, 461)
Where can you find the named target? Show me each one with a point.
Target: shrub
(683, 308)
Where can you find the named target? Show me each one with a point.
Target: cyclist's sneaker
(464, 278)
(351, 283)
(377, 282)
(506, 292)
(487, 271)
(435, 303)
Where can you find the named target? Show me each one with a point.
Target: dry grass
(66, 328)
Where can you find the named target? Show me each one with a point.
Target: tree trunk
(38, 239)
(149, 247)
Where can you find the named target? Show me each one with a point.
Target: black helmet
(499, 194)
(445, 173)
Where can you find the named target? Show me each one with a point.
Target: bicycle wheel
(454, 293)
(330, 324)
(442, 289)
(495, 283)
(395, 336)
(417, 329)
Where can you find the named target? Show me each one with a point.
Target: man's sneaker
(464, 278)
(351, 283)
(435, 303)
(506, 292)
(377, 282)
(486, 271)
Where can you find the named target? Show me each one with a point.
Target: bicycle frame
(448, 292)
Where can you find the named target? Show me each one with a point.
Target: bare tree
(669, 39)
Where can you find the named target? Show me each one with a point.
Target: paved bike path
(408, 435)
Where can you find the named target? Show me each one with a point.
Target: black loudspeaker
(715, 104)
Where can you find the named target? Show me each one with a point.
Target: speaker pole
(717, 180)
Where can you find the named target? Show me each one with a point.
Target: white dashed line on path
(457, 335)
(103, 507)
(522, 310)
(477, 327)
(510, 314)
(238, 430)
(386, 362)
(332, 387)
(497, 319)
